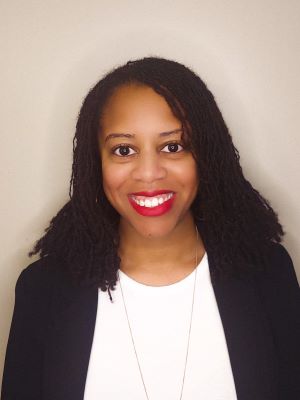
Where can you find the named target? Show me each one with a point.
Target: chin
(154, 230)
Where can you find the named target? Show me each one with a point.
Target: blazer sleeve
(24, 354)
(281, 296)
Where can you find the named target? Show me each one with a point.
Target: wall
(54, 51)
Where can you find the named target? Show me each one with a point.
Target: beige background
(53, 51)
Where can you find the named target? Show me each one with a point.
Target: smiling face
(142, 151)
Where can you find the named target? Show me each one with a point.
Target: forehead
(128, 94)
(136, 104)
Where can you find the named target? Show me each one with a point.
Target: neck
(160, 260)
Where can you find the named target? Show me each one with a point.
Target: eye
(123, 151)
(173, 147)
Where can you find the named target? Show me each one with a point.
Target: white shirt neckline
(132, 283)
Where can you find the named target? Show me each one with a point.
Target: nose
(148, 168)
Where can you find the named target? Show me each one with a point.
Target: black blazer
(53, 324)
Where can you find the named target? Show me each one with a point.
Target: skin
(156, 250)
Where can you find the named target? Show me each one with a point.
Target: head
(235, 222)
(179, 100)
(142, 150)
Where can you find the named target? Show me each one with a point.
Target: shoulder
(278, 254)
(279, 292)
(279, 266)
(278, 286)
(40, 277)
(35, 295)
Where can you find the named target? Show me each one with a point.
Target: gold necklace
(190, 326)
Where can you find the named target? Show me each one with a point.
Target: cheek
(194, 175)
(192, 184)
(188, 173)
(114, 177)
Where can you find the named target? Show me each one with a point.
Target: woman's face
(142, 151)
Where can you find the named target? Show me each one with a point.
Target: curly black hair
(237, 225)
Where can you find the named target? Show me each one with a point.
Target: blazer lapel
(249, 338)
(69, 342)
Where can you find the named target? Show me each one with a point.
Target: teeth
(150, 202)
(155, 202)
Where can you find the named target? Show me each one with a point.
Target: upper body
(156, 183)
(53, 326)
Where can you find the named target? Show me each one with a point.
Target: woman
(163, 276)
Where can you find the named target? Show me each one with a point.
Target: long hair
(236, 223)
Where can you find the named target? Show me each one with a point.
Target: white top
(160, 318)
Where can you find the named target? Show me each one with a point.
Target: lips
(156, 208)
(151, 193)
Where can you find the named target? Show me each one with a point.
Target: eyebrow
(130, 136)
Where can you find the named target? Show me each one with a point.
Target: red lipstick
(152, 193)
(155, 211)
